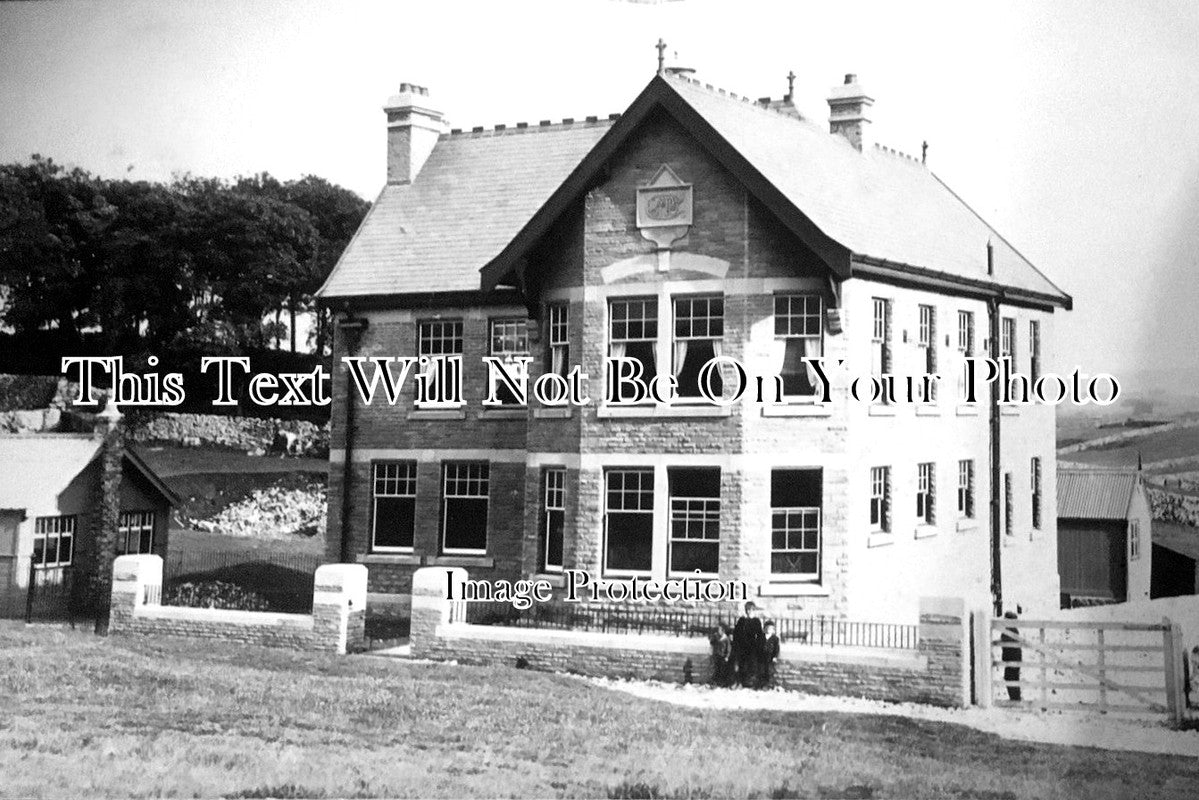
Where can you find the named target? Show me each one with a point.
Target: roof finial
(924, 151)
(790, 83)
(661, 45)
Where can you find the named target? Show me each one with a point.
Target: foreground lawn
(83, 716)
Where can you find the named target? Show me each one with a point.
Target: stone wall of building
(337, 623)
(937, 672)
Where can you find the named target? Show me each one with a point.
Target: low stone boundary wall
(337, 623)
(937, 672)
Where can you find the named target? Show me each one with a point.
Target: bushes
(214, 594)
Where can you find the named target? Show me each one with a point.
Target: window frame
(607, 570)
(926, 339)
(375, 547)
(61, 523)
(709, 320)
(446, 497)
(707, 510)
(880, 498)
(1007, 339)
(805, 316)
(926, 493)
(507, 400)
(804, 512)
(1134, 540)
(553, 500)
(126, 528)
(649, 303)
(558, 336)
(965, 489)
(1034, 350)
(881, 338)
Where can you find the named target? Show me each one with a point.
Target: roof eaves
(320, 293)
(910, 274)
(152, 477)
(1067, 300)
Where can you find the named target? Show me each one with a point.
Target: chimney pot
(850, 78)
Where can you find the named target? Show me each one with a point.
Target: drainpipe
(996, 468)
(352, 329)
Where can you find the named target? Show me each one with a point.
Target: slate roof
(471, 197)
(1094, 493)
(1182, 539)
(46, 462)
(478, 191)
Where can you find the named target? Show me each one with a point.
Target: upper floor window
(1007, 338)
(880, 499)
(927, 340)
(53, 541)
(633, 332)
(795, 527)
(798, 327)
(439, 337)
(394, 513)
(880, 339)
(698, 337)
(1034, 349)
(965, 348)
(135, 533)
(464, 493)
(559, 339)
(509, 339)
(966, 333)
(926, 493)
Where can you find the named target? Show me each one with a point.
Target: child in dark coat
(770, 652)
(722, 656)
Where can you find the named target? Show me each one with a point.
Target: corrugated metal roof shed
(1094, 493)
(1182, 539)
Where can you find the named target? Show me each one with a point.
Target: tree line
(178, 269)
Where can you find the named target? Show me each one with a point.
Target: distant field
(1152, 446)
(168, 461)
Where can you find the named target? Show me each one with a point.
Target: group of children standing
(744, 655)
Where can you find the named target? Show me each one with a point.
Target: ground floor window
(465, 488)
(394, 506)
(53, 541)
(135, 533)
(966, 489)
(795, 505)
(554, 518)
(880, 499)
(694, 520)
(628, 520)
(926, 493)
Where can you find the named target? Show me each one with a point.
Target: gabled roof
(483, 201)
(49, 461)
(1095, 493)
(472, 195)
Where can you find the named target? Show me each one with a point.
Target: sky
(1072, 127)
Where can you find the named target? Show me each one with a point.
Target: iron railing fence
(818, 631)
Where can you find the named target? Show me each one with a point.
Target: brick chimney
(109, 430)
(847, 108)
(412, 131)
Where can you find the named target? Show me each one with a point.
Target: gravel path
(1137, 734)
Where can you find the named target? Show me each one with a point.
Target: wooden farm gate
(1097, 666)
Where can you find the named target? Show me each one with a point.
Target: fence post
(30, 589)
(1173, 652)
(982, 657)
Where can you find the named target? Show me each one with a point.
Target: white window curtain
(811, 349)
(558, 360)
(680, 355)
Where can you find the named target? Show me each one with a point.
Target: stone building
(695, 224)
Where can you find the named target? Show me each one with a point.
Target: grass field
(1152, 446)
(83, 716)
